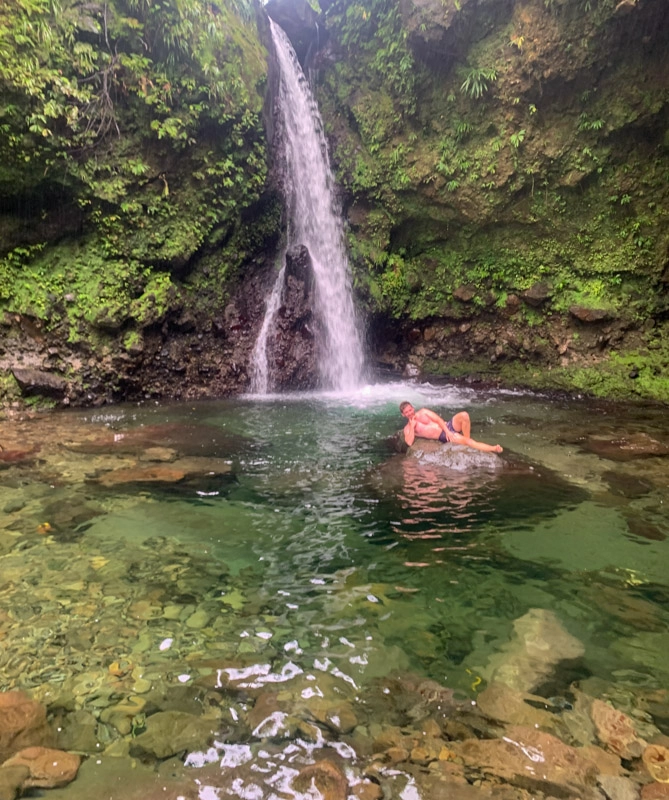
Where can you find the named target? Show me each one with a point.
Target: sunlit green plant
(476, 82)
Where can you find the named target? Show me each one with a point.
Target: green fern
(476, 82)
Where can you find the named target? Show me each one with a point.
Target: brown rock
(537, 294)
(616, 730)
(656, 759)
(585, 314)
(505, 704)
(48, 768)
(368, 791)
(606, 763)
(326, 777)
(617, 787)
(626, 448)
(22, 724)
(655, 791)
(465, 293)
(171, 732)
(339, 717)
(397, 754)
(34, 381)
(142, 475)
(534, 760)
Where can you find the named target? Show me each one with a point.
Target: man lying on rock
(425, 424)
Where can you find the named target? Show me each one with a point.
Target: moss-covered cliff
(133, 166)
(506, 163)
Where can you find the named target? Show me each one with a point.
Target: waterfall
(314, 220)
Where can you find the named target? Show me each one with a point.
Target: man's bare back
(425, 424)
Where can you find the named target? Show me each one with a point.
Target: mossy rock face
(524, 175)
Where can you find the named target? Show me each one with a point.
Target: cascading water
(314, 220)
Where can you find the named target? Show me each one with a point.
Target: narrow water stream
(273, 569)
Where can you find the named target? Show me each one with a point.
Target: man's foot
(498, 448)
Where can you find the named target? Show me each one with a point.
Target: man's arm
(410, 432)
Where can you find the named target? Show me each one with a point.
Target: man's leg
(462, 424)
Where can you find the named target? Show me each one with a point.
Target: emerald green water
(323, 552)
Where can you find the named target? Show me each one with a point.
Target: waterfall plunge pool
(259, 587)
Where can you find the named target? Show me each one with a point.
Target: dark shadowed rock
(625, 448)
(628, 486)
(292, 348)
(185, 439)
(537, 294)
(36, 382)
(299, 21)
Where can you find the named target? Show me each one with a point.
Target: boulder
(48, 768)
(533, 760)
(591, 315)
(502, 703)
(625, 448)
(537, 294)
(171, 732)
(36, 382)
(326, 777)
(616, 730)
(540, 642)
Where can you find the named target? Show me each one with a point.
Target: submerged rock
(47, 768)
(183, 469)
(534, 760)
(171, 732)
(327, 778)
(185, 439)
(22, 724)
(539, 644)
(616, 730)
(624, 448)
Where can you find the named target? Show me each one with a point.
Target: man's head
(406, 409)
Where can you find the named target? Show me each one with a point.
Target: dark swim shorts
(442, 435)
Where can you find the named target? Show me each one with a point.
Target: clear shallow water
(323, 553)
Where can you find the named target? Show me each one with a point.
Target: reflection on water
(256, 597)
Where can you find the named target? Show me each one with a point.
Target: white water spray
(314, 220)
